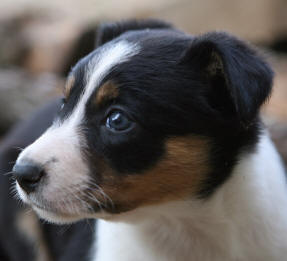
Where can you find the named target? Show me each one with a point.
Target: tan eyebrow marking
(107, 91)
(69, 85)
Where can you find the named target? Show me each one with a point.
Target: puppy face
(151, 116)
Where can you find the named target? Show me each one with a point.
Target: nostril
(28, 175)
(33, 178)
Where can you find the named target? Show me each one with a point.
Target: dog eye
(118, 121)
(63, 102)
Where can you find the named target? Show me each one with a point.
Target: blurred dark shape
(65, 243)
(23, 90)
(83, 45)
(279, 45)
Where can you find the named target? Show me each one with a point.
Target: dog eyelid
(118, 121)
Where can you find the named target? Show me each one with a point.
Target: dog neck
(235, 221)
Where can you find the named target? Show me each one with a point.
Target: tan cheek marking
(107, 91)
(177, 176)
(69, 85)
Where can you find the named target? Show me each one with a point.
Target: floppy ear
(238, 80)
(108, 31)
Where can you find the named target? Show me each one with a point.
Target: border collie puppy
(159, 137)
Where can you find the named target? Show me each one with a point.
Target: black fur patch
(211, 86)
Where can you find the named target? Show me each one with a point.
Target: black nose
(28, 176)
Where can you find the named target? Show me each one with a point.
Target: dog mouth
(53, 216)
(58, 207)
(56, 213)
(63, 208)
(60, 215)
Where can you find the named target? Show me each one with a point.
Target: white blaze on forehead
(63, 142)
(109, 56)
(65, 137)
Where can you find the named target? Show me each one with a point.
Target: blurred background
(41, 40)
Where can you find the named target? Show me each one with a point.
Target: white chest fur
(246, 219)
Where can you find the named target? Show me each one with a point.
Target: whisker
(8, 173)
(101, 191)
(86, 204)
(94, 199)
(12, 162)
(84, 193)
(29, 211)
(92, 228)
(18, 148)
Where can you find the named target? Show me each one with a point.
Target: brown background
(37, 39)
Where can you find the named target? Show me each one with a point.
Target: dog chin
(61, 219)
(45, 214)
(58, 217)
(55, 217)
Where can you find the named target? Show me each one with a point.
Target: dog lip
(33, 204)
(51, 211)
(55, 211)
(38, 205)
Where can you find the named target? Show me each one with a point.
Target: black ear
(239, 80)
(108, 31)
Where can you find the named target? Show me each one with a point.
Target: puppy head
(152, 115)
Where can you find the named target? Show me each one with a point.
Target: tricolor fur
(159, 136)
